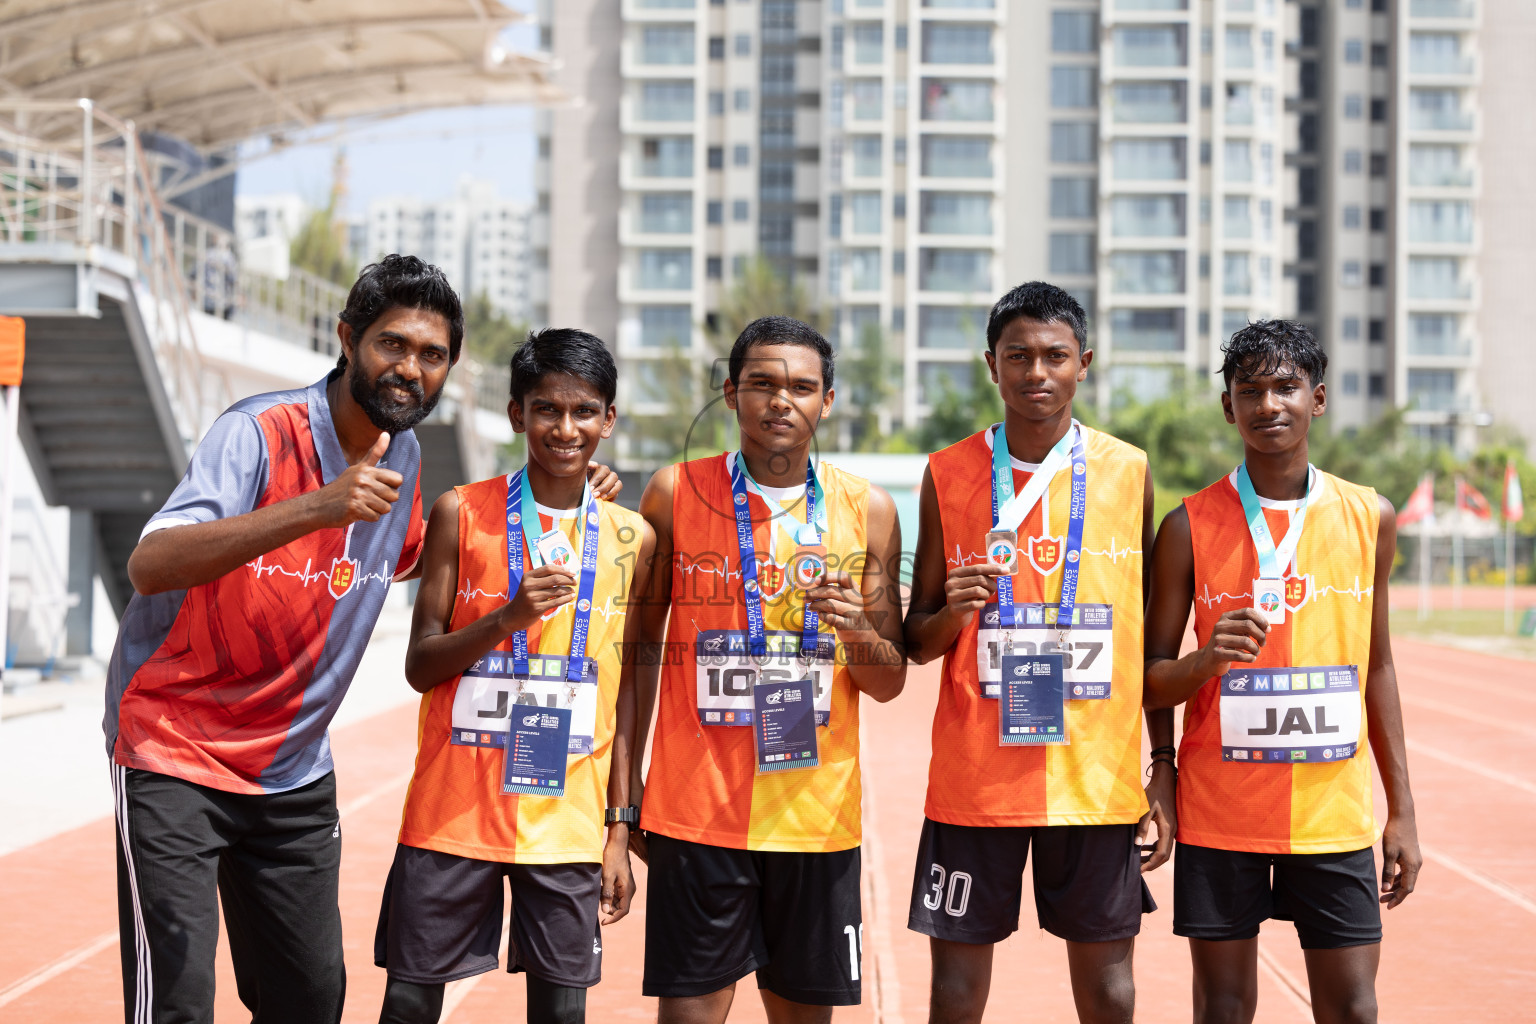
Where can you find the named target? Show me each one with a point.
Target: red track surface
(1459, 949)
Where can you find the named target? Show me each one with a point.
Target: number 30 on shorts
(957, 896)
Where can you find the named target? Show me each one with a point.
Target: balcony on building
(1455, 10)
(1149, 159)
(868, 42)
(955, 213)
(957, 99)
(1438, 335)
(662, 5)
(1150, 5)
(669, 270)
(952, 327)
(665, 100)
(866, 151)
(956, 156)
(665, 327)
(1146, 273)
(1440, 221)
(864, 209)
(1437, 110)
(1437, 165)
(1147, 216)
(1149, 102)
(957, 43)
(664, 213)
(665, 157)
(664, 45)
(1435, 390)
(1151, 46)
(868, 98)
(1437, 278)
(966, 271)
(863, 269)
(1147, 330)
(1437, 53)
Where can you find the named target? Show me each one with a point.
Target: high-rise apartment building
(481, 241)
(1183, 166)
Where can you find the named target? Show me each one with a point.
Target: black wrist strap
(1170, 751)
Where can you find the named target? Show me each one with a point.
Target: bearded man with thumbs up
(256, 589)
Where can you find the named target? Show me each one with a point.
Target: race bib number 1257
(1088, 653)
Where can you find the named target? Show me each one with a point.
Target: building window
(951, 327)
(1354, 106)
(1074, 198)
(1148, 330)
(1072, 252)
(1074, 32)
(1147, 216)
(1379, 55)
(899, 151)
(717, 47)
(1352, 217)
(1149, 159)
(1378, 110)
(665, 269)
(713, 268)
(955, 213)
(1436, 334)
(863, 270)
(666, 212)
(666, 44)
(716, 101)
(901, 38)
(666, 101)
(866, 155)
(1349, 274)
(743, 45)
(835, 215)
(738, 209)
(1377, 275)
(1439, 220)
(665, 326)
(1378, 165)
(957, 44)
(868, 43)
(1433, 390)
(1349, 328)
(741, 99)
(957, 99)
(1354, 51)
(1351, 382)
(1376, 385)
(1072, 142)
(864, 208)
(714, 211)
(898, 263)
(1376, 330)
(1237, 217)
(1151, 46)
(1237, 160)
(1149, 102)
(955, 270)
(741, 154)
(1074, 86)
(867, 98)
(715, 157)
(1147, 273)
(1353, 161)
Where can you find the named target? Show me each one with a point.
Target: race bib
(1088, 652)
(489, 695)
(727, 673)
(1290, 715)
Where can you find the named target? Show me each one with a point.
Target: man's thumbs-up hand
(363, 491)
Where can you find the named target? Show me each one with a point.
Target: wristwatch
(627, 815)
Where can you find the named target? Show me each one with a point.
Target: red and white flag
(1471, 501)
(1421, 504)
(1514, 500)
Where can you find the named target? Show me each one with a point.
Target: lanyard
(1008, 509)
(1002, 495)
(815, 502)
(1273, 560)
(520, 497)
(815, 508)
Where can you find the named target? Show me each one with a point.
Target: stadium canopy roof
(217, 72)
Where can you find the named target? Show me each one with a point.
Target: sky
(423, 154)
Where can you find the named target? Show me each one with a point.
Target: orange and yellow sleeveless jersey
(455, 803)
(703, 784)
(1096, 778)
(1282, 808)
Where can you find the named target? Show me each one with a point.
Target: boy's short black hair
(564, 350)
(781, 330)
(403, 282)
(1264, 346)
(1042, 301)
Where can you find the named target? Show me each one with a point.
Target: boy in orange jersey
(1287, 570)
(529, 710)
(783, 609)
(1034, 600)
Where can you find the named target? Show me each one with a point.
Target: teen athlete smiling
(1292, 685)
(494, 637)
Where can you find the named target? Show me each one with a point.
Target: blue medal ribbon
(1273, 561)
(815, 516)
(1002, 494)
(519, 537)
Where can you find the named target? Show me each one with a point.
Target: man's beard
(383, 409)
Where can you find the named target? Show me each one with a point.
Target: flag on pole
(1514, 500)
(1421, 504)
(1471, 501)
(13, 348)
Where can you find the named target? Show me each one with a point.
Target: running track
(1459, 949)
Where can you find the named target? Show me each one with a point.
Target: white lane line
(74, 958)
(1293, 990)
(1492, 883)
(1455, 711)
(46, 973)
(458, 991)
(1472, 766)
(886, 994)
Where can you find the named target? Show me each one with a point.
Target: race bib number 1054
(725, 673)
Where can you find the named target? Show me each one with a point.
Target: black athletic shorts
(970, 882)
(441, 919)
(1220, 895)
(713, 915)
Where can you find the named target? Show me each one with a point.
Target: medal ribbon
(520, 498)
(1010, 510)
(815, 515)
(1273, 560)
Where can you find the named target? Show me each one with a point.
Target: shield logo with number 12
(1044, 553)
(343, 572)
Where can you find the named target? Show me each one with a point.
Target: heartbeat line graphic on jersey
(470, 592)
(689, 566)
(1114, 554)
(1315, 593)
(309, 574)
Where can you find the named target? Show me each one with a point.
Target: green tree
(760, 290)
(320, 247)
(867, 380)
(957, 413)
(489, 335)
